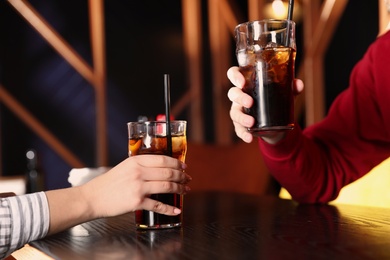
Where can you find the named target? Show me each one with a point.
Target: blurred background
(47, 105)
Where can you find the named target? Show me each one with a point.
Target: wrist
(68, 207)
(87, 199)
(272, 137)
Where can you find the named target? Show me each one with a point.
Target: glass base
(262, 131)
(162, 226)
(145, 219)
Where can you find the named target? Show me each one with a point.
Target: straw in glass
(289, 18)
(168, 112)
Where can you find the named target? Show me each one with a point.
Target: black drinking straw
(168, 112)
(290, 10)
(289, 18)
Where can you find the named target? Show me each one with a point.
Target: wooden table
(234, 226)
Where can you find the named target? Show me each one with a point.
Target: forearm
(300, 166)
(68, 207)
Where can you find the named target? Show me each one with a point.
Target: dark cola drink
(146, 144)
(269, 75)
(266, 51)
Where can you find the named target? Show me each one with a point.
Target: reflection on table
(234, 226)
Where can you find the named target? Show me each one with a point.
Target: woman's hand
(128, 186)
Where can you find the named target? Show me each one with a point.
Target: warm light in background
(277, 9)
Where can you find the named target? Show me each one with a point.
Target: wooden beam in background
(255, 8)
(330, 15)
(26, 117)
(220, 49)
(231, 16)
(53, 38)
(97, 29)
(192, 37)
(318, 34)
(384, 17)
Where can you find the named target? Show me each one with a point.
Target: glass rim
(154, 122)
(264, 20)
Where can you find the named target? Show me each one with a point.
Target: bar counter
(223, 225)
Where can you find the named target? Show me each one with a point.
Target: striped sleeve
(23, 219)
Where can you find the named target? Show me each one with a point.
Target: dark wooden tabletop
(234, 226)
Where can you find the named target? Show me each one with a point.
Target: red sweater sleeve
(314, 164)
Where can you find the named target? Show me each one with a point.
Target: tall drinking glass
(266, 53)
(150, 137)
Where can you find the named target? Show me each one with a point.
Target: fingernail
(189, 177)
(187, 188)
(176, 211)
(183, 166)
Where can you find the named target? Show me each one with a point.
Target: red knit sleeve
(314, 164)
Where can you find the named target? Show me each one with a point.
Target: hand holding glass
(266, 56)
